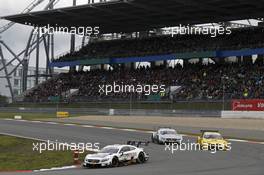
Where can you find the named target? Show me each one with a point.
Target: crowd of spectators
(156, 45)
(197, 82)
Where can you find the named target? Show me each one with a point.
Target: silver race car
(115, 155)
(166, 135)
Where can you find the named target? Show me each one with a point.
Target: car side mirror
(121, 153)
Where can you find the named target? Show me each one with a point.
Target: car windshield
(212, 136)
(110, 150)
(168, 132)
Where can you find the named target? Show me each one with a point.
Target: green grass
(31, 116)
(27, 116)
(17, 154)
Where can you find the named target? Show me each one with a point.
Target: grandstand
(233, 70)
(198, 82)
(239, 39)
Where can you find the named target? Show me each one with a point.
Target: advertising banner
(248, 105)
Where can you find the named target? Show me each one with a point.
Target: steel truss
(33, 44)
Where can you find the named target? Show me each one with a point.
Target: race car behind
(166, 135)
(210, 139)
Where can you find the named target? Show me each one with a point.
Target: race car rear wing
(162, 127)
(203, 131)
(138, 143)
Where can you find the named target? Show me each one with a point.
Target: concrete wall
(242, 114)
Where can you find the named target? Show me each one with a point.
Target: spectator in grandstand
(198, 82)
(239, 39)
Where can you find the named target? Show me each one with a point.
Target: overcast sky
(17, 36)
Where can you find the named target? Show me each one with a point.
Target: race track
(244, 159)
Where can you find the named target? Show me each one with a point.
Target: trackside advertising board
(248, 105)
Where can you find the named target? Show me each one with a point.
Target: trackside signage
(248, 105)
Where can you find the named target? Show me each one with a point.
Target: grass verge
(27, 116)
(17, 154)
(31, 116)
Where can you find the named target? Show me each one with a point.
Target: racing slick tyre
(200, 147)
(115, 162)
(87, 166)
(158, 141)
(141, 158)
(152, 139)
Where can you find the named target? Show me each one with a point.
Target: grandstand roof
(142, 15)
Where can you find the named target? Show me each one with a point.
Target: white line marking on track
(103, 127)
(131, 130)
(245, 141)
(57, 168)
(87, 126)
(52, 123)
(149, 132)
(69, 124)
(34, 121)
(8, 119)
(237, 140)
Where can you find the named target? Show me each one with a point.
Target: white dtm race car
(115, 155)
(166, 135)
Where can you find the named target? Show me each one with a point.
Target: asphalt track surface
(246, 134)
(243, 159)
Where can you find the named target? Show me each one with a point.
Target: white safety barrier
(18, 117)
(243, 114)
(111, 112)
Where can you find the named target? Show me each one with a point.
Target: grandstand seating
(157, 45)
(199, 82)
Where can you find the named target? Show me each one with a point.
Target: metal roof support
(32, 44)
(25, 62)
(15, 56)
(72, 48)
(8, 49)
(47, 51)
(6, 73)
(37, 59)
(51, 41)
(28, 9)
